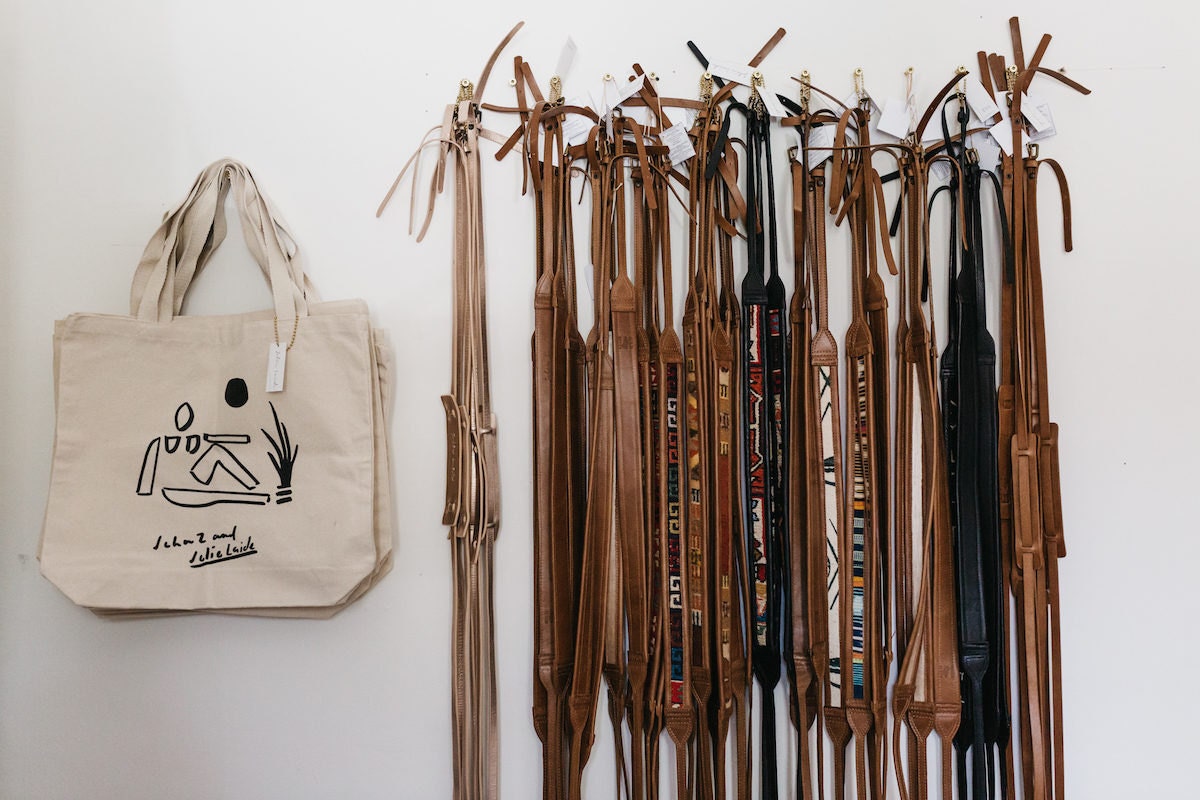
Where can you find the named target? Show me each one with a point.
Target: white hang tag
(895, 119)
(566, 58)
(1002, 133)
(737, 73)
(679, 144)
(576, 127)
(629, 89)
(1033, 114)
(771, 103)
(941, 170)
(980, 101)
(689, 117)
(276, 363)
(1046, 129)
(639, 114)
(820, 140)
(608, 94)
(987, 149)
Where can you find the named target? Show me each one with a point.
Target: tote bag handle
(192, 231)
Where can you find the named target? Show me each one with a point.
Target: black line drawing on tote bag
(218, 462)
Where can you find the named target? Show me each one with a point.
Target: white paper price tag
(980, 101)
(987, 149)
(1045, 127)
(639, 114)
(941, 170)
(1034, 115)
(1002, 133)
(738, 73)
(895, 119)
(566, 58)
(276, 363)
(771, 103)
(629, 89)
(820, 140)
(576, 127)
(679, 144)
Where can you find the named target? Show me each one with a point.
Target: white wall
(107, 110)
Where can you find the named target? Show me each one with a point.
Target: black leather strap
(970, 429)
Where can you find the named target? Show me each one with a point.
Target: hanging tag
(678, 143)
(276, 362)
(941, 171)
(1002, 133)
(608, 95)
(820, 140)
(987, 150)
(576, 127)
(639, 114)
(1049, 130)
(1037, 114)
(629, 89)
(737, 73)
(895, 118)
(771, 103)
(980, 101)
(1032, 111)
(566, 58)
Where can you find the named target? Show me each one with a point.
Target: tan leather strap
(472, 509)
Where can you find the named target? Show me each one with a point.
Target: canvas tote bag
(219, 463)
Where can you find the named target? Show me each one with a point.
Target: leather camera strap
(829, 654)
(926, 696)
(559, 442)
(969, 420)
(803, 425)
(866, 366)
(761, 330)
(763, 351)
